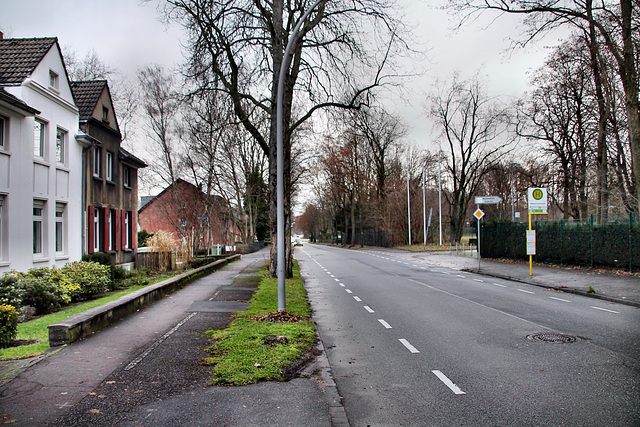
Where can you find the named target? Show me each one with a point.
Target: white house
(40, 159)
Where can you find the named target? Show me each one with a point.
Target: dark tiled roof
(19, 57)
(86, 94)
(7, 97)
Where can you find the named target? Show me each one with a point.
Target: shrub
(143, 235)
(10, 292)
(99, 257)
(8, 324)
(44, 295)
(161, 241)
(92, 278)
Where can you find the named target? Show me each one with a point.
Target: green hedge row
(610, 245)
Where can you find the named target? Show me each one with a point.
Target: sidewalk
(145, 371)
(624, 289)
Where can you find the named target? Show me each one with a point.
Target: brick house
(190, 215)
(110, 176)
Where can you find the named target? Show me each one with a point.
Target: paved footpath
(144, 370)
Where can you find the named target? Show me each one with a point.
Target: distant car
(297, 242)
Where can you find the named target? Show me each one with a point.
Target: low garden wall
(84, 324)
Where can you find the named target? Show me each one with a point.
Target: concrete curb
(86, 323)
(557, 288)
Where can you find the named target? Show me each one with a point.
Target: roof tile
(19, 57)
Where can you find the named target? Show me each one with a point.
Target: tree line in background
(576, 131)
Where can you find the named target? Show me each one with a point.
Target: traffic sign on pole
(538, 201)
(488, 200)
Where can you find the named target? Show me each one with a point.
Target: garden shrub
(8, 324)
(92, 278)
(44, 295)
(10, 292)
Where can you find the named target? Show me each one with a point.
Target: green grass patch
(36, 329)
(240, 356)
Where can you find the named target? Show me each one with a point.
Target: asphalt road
(412, 344)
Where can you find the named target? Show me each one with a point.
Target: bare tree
(612, 24)
(475, 134)
(236, 47)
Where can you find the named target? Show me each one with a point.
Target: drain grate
(552, 338)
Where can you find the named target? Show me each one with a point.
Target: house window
(3, 234)
(3, 135)
(53, 80)
(127, 227)
(105, 114)
(112, 230)
(61, 228)
(39, 139)
(61, 150)
(126, 178)
(109, 166)
(97, 230)
(97, 162)
(38, 227)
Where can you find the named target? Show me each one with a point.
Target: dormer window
(53, 80)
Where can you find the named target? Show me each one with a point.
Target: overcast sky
(127, 34)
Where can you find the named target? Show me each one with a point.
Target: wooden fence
(156, 261)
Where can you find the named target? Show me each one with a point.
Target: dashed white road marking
(442, 377)
(349, 291)
(369, 309)
(607, 310)
(341, 284)
(357, 299)
(384, 323)
(560, 299)
(478, 280)
(525, 291)
(408, 345)
(498, 284)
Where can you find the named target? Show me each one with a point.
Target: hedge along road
(48, 389)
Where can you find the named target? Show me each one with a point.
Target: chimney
(1, 35)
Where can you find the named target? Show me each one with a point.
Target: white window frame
(97, 161)
(61, 146)
(127, 222)
(4, 133)
(39, 228)
(109, 174)
(97, 230)
(126, 176)
(61, 228)
(40, 145)
(54, 80)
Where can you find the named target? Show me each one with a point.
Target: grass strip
(36, 329)
(239, 355)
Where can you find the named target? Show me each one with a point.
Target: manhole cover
(552, 338)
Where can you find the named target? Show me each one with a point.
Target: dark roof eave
(127, 156)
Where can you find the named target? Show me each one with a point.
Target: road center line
(478, 280)
(498, 284)
(407, 344)
(369, 309)
(526, 292)
(357, 299)
(604, 309)
(442, 377)
(560, 299)
(385, 324)
(349, 291)
(341, 284)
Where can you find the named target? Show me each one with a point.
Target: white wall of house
(29, 182)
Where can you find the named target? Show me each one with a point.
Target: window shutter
(123, 229)
(134, 236)
(90, 235)
(105, 229)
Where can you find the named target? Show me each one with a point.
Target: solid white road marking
(357, 299)
(526, 292)
(369, 309)
(560, 299)
(385, 324)
(411, 348)
(442, 377)
(604, 309)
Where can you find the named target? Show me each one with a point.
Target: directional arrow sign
(488, 200)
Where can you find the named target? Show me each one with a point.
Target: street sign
(538, 200)
(488, 200)
(531, 242)
(478, 214)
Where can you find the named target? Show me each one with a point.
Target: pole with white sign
(538, 205)
(478, 214)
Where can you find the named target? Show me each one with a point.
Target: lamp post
(282, 303)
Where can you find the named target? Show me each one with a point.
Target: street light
(282, 304)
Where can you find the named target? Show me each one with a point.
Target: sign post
(478, 214)
(538, 205)
(483, 200)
